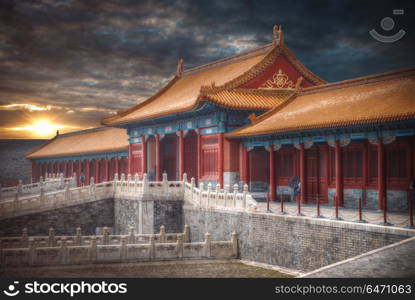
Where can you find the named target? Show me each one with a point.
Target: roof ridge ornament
(179, 70)
(278, 35)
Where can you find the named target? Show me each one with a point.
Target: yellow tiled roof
(372, 99)
(83, 142)
(252, 99)
(182, 92)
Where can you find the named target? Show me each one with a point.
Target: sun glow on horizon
(43, 128)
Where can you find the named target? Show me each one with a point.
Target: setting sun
(42, 128)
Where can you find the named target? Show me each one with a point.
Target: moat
(182, 269)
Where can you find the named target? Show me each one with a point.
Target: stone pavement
(346, 214)
(393, 261)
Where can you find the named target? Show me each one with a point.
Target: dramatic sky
(65, 64)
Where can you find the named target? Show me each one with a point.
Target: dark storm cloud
(112, 54)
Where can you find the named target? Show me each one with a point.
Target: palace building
(259, 117)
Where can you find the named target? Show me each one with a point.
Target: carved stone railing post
(165, 184)
(25, 238)
(162, 234)
(145, 183)
(207, 244)
(73, 179)
(245, 193)
(192, 188)
(123, 248)
(152, 247)
(91, 186)
(51, 238)
(217, 191)
(179, 245)
(186, 233)
(61, 181)
(201, 189)
(209, 191)
(225, 194)
(67, 193)
(93, 250)
(235, 192)
(234, 240)
(78, 237)
(63, 251)
(105, 236)
(131, 235)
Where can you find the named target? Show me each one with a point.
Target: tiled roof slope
(83, 142)
(367, 100)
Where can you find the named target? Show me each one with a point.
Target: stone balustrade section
(218, 198)
(130, 187)
(51, 182)
(106, 248)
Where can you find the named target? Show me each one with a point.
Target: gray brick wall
(153, 215)
(13, 164)
(88, 216)
(292, 242)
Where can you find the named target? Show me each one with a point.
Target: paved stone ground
(346, 214)
(176, 269)
(393, 261)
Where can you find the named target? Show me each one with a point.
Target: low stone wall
(64, 254)
(65, 220)
(289, 241)
(392, 261)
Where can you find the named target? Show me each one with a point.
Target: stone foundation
(88, 216)
(288, 241)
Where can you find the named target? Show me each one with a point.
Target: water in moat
(188, 269)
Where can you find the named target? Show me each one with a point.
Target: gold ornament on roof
(279, 80)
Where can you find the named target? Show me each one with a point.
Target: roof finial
(57, 132)
(278, 35)
(179, 70)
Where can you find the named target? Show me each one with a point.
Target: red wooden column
(158, 162)
(199, 155)
(272, 184)
(107, 178)
(220, 159)
(96, 170)
(181, 154)
(130, 159)
(87, 172)
(339, 174)
(144, 154)
(381, 175)
(302, 173)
